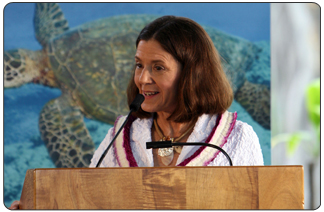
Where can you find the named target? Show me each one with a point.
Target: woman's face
(156, 76)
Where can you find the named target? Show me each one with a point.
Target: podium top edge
(178, 167)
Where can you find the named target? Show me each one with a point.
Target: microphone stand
(168, 144)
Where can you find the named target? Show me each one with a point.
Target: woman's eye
(138, 65)
(159, 68)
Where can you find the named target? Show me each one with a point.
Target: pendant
(164, 152)
(167, 159)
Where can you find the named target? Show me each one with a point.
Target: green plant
(292, 140)
(313, 105)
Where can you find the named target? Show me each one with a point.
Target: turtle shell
(94, 62)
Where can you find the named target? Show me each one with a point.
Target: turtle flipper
(14, 68)
(255, 99)
(65, 134)
(49, 22)
(21, 66)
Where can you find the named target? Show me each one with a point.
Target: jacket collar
(201, 131)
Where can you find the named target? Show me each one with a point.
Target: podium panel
(236, 187)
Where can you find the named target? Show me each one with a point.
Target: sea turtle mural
(92, 65)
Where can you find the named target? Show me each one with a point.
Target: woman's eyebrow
(158, 61)
(153, 61)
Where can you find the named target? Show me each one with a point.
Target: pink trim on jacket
(224, 140)
(126, 144)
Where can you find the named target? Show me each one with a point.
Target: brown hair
(203, 86)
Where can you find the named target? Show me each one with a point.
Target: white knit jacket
(242, 144)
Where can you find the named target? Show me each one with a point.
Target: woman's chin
(148, 110)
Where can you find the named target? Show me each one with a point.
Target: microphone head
(136, 104)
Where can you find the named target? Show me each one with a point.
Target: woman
(187, 94)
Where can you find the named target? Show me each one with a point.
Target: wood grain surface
(238, 187)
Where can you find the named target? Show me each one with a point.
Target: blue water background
(23, 148)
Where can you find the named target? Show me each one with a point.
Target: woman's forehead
(152, 50)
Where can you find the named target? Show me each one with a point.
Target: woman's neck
(170, 128)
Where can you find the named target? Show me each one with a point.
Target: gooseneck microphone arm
(134, 106)
(168, 144)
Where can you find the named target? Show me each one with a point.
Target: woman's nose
(145, 76)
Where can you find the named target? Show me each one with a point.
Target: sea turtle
(92, 65)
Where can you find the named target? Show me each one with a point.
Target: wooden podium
(236, 187)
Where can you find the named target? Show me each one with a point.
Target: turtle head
(23, 66)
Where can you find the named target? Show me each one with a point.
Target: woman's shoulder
(244, 133)
(243, 127)
(246, 145)
(142, 122)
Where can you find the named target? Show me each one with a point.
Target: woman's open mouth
(148, 94)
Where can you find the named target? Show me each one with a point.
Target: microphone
(134, 106)
(168, 144)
